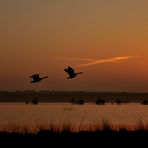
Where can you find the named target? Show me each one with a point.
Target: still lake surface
(44, 113)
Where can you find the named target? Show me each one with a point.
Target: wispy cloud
(91, 62)
(110, 60)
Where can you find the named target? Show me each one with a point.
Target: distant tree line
(65, 96)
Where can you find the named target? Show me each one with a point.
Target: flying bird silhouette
(36, 78)
(71, 72)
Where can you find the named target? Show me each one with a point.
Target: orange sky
(40, 36)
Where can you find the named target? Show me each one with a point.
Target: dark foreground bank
(46, 138)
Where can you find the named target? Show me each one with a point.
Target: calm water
(44, 113)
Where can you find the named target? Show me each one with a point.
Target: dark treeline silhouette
(80, 101)
(144, 102)
(100, 101)
(77, 101)
(118, 101)
(65, 96)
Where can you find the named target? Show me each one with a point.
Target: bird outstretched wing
(66, 70)
(71, 70)
(34, 76)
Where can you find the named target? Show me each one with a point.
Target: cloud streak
(91, 62)
(110, 60)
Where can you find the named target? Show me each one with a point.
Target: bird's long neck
(45, 77)
(79, 73)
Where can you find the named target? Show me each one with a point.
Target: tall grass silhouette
(67, 126)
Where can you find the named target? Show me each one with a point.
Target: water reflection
(44, 113)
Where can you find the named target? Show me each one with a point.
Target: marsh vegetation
(104, 134)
